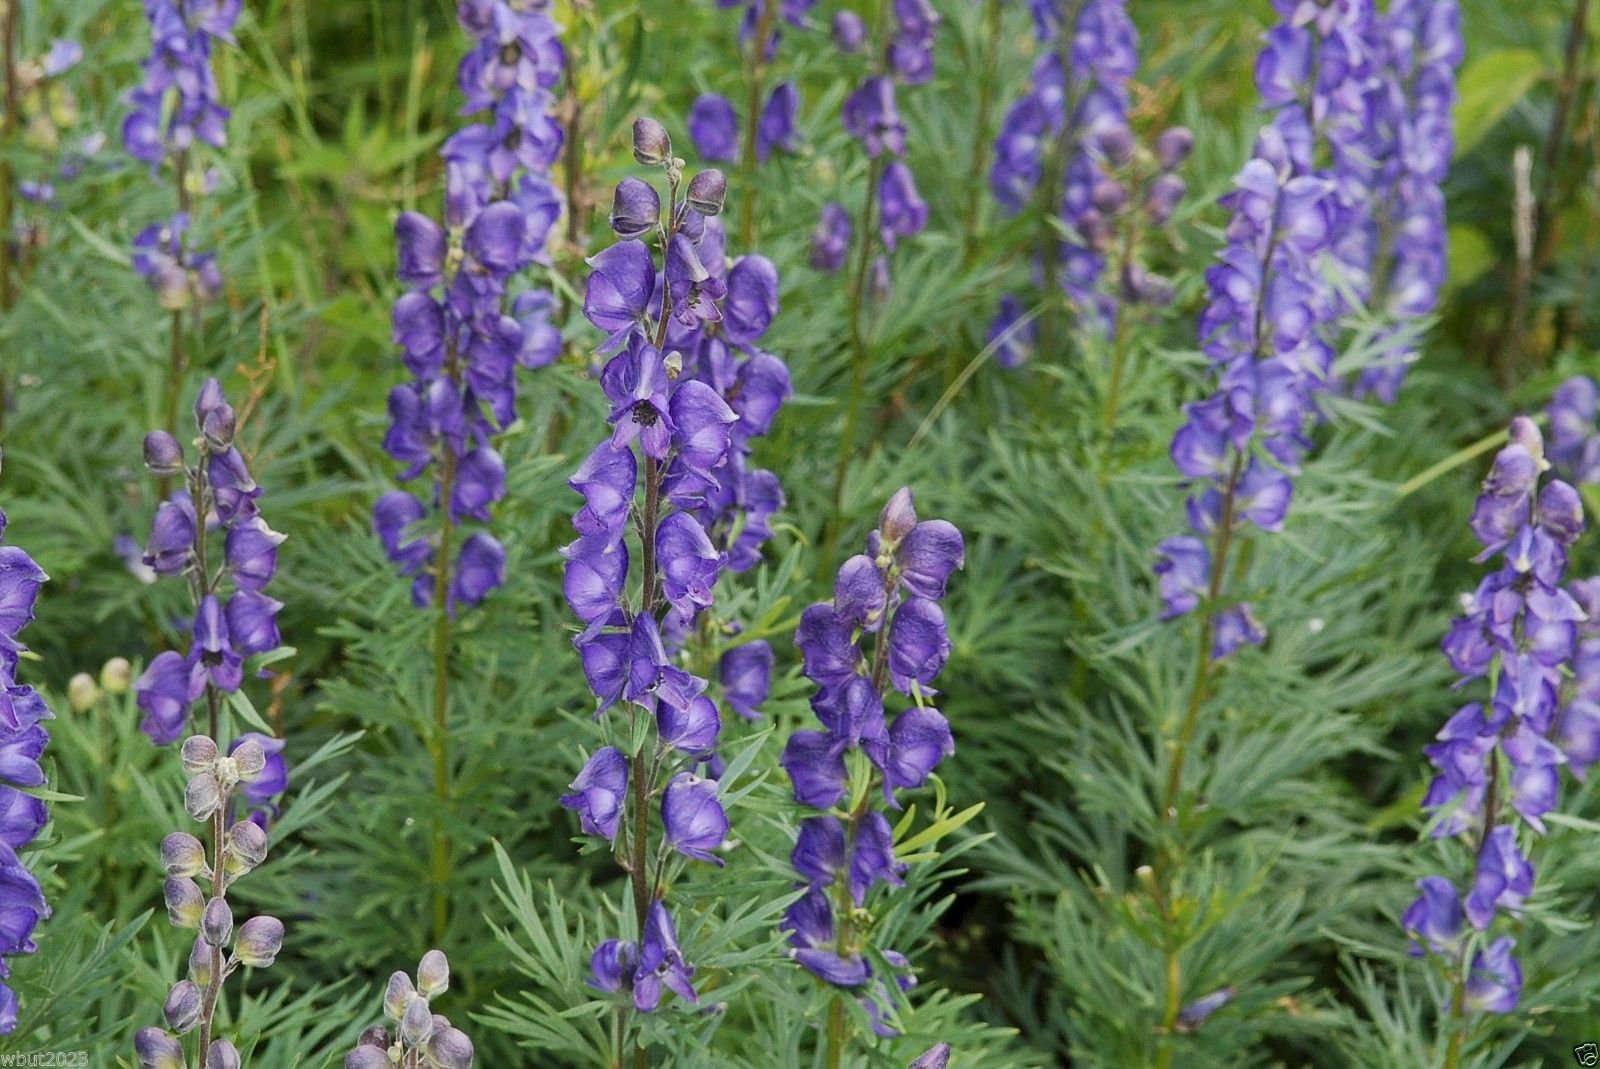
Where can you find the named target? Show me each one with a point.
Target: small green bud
(82, 692)
(116, 675)
(433, 974)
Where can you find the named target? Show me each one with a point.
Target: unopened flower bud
(216, 924)
(1109, 196)
(185, 903)
(416, 1025)
(849, 32)
(899, 516)
(365, 1057)
(222, 1055)
(433, 974)
(1161, 197)
(182, 855)
(182, 1008)
(218, 428)
(635, 208)
(397, 996)
(250, 760)
(260, 939)
(935, 1057)
(116, 675)
(163, 454)
(1117, 143)
(203, 796)
(247, 847)
(376, 1036)
(82, 692)
(707, 190)
(199, 753)
(451, 1049)
(651, 145)
(157, 1050)
(1173, 146)
(200, 958)
(1525, 432)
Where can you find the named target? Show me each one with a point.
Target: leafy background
(1030, 932)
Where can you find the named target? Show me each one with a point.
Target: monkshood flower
(884, 630)
(1498, 758)
(462, 332)
(22, 741)
(175, 111)
(1066, 147)
(1239, 448)
(214, 510)
(1574, 437)
(688, 389)
(414, 1034)
(1418, 48)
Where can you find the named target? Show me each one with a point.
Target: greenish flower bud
(450, 1049)
(707, 190)
(652, 146)
(185, 903)
(157, 1050)
(397, 996)
(247, 848)
(260, 939)
(433, 974)
(203, 796)
(416, 1025)
(116, 675)
(182, 855)
(82, 692)
(216, 923)
(182, 1009)
(222, 1055)
(250, 760)
(199, 754)
(200, 962)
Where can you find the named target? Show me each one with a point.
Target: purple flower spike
(598, 792)
(693, 817)
(776, 128)
(714, 128)
(746, 673)
(830, 241)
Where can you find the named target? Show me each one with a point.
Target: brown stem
(572, 166)
(752, 119)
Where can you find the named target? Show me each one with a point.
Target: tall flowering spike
(461, 328)
(1065, 147)
(884, 623)
(1416, 47)
(420, 1036)
(231, 791)
(174, 113)
(670, 502)
(22, 740)
(1497, 761)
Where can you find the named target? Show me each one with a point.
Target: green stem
(859, 355)
(752, 117)
(1455, 460)
(981, 129)
(439, 852)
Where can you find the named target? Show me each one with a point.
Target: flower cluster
(713, 121)
(871, 115)
(1410, 131)
(1498, 760)
(1574, 436)
(421, 1038)
(1067, 141)
(237, 849)
(22, 741)
(1259, 329)
(218, 493)
(883, 628)
(461, 330)
(176, 109)
(683, 409)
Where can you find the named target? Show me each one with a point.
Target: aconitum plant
(1066, 145)
(177, 112)
(229, 788)
(673, 443)
(1574, 437)
(1498, 759)
(883, 632)
(22, 740)
(421, 1039)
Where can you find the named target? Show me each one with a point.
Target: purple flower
(776, 127)
(872, 858)
(661, 963)
(599, 792)
(422, 246)
(830, 241)
(1235, 626)
(871, 117)
(816, 768)
(1183, 568)
(635, 382)
(694, 820)
(164, 693)
(607, 480)
(1195, 1013)
(849, 32)
(1434, 919)
(918, 644)
(1494, 982)
(597, 568)
(746, 673)
(617, 296)
(752, 301)
(694, 290)
(689, 562)
(172, 536)
(903, 213)
(819, 851)
(1013, 344)
(635, 208)
(480, 569)
(701, 421)
(714, 128)
(612, 965)
(919, 739)
(1504, 878)
(691, 728)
